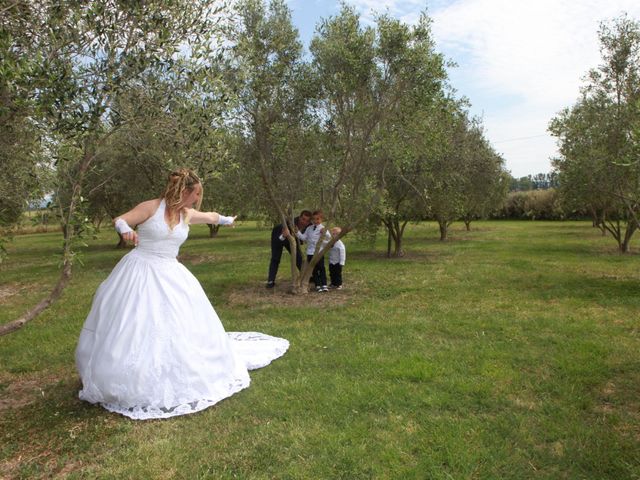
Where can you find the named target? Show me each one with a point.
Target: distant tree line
(540, 181)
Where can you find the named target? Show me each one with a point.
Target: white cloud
(536, 49)
(535, 54)
(395, 7)
(520, 62)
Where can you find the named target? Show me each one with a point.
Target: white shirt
(337, 253)
(311, 235)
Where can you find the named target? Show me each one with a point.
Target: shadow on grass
(51, 425)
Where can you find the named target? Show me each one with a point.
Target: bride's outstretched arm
(194, 216)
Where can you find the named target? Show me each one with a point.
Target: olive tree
(88, 54)
(598, 141)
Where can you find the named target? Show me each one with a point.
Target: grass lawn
(509, 352)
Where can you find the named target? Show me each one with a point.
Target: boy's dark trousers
(319, 272)
(276, 252)
(335, 271)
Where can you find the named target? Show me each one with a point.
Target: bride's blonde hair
(179, 181)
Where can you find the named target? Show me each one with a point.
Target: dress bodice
(155, 237)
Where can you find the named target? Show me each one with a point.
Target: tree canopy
(599, 162)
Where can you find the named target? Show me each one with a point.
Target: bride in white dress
(152, 345)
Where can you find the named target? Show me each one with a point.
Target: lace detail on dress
(148, 412)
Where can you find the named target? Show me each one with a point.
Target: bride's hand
(131, 237)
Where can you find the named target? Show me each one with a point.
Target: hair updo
(179, 181)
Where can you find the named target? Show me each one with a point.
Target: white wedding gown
(152, 345)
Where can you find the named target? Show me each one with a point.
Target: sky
(519, 62)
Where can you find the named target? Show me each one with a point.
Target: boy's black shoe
(271, 284)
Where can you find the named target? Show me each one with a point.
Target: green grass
(509, 352)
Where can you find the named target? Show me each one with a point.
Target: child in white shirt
(311, 236)
(337, 258)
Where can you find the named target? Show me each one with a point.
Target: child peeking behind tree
(337, 258)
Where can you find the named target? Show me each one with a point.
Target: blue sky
(519, 61)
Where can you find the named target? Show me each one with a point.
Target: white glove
(222, 220)
(122, 227)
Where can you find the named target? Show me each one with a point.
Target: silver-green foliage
(85, 56)
(599, 162)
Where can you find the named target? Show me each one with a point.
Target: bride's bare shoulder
(150, 205)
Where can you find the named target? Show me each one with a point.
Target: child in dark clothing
(279, 241)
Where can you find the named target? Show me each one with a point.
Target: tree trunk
(399, 229)
(401, 236)
(213, 230)
(394, 234)
(603, 231)
(391, 235)
(444, 227)
(299, 279)
(97, 223)
(69, 230)
(598, 221)
(614, 229)
(300, 282)
(595, 222)
(467, 224)
(398, 252)
(623, 238)
(63, 280)
(625, 245)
